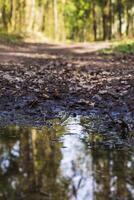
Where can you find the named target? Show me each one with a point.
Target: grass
(123, 47)
(10, 38)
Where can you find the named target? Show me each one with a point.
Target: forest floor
(40, 81)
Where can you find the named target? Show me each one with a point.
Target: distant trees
(79, 20)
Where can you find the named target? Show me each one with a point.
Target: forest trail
(66, 99)
(38, 81)
(25, 51)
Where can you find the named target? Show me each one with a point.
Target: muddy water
(57, 162)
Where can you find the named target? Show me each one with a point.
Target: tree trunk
(104, 27)
(29, 14)
(110, 19)
(55, 20)
(107, 19)
(4, 17)
(13, 19)
(128, 21)
(94, 21)
(119, 8)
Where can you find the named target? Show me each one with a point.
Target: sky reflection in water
(55, 163)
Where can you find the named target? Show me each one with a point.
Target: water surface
(58, 163)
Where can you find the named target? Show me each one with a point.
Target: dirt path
(25, 51)
(38, 81)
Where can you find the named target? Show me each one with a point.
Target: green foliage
(127, 47)
(77, 20)
(77, 14)
(10, 38)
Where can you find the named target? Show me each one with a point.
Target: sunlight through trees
(78, 20)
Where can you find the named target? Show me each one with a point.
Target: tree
(120, 15)
(78, 20)
(94, 19)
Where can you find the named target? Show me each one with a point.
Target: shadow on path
(39, 51)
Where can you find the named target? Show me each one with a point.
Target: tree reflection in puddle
(54, 163)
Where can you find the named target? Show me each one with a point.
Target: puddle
(60, 163)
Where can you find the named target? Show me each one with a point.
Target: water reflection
(56, 164)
